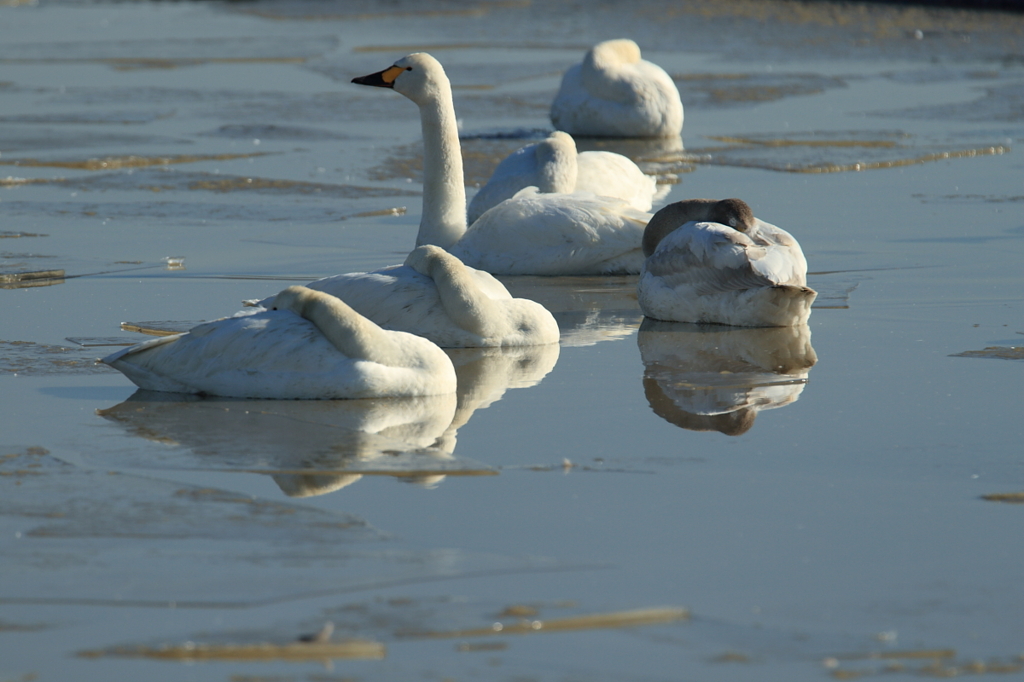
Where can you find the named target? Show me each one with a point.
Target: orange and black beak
(381, 79)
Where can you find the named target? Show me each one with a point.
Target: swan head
(621, 51)
(734, 213)
(293, 299)
(418, 76)
(423, 258)
(556, 161)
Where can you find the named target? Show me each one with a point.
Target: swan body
(615, 93)
(435, 296)
(581, 233)
(307, 346)
(714, 262)
(553, 166)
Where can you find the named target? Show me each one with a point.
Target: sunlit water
(837, 502)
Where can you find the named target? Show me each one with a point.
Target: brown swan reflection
(717, 378)
(315, 447)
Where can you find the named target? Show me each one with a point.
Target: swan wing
(273, 354)
(709, 258)
(400, 299)
(614, 175)
(783, 261)
(555, 234)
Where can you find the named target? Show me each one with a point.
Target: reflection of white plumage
(309, 345)
(706, 378)
(315, 448)
(554, 167)
(714, 262)
(615, 93)
(435, 296)
(531, 233)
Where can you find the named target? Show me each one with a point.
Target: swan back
(556, 234)
(734, 213)
(436, 296)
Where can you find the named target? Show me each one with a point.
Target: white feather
(582, 232)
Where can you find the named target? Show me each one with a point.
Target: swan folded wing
(396, 297)
(783, 261)
(400, 298)
(611, 174)
(251, 356)
(555, 234)
(709, 258)
(280, 355)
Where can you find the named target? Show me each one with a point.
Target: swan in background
(435, 296)
(553, 166)
(531, 233)
(707, 378)
(309, 345)
(615, 93)
(714, 262)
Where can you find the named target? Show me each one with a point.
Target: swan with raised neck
(531, 233)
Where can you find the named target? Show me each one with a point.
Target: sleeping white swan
(308, 345)
(615, 93)
(553, 166)
(435, 296)
(529, 234)
(714, 262)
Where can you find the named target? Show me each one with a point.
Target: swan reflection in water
(717, 378)
(316, 447)
(589, 310)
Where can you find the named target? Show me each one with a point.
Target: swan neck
(352, 334)
(444, 191)
(461, 297)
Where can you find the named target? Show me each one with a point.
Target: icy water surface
(642, 502)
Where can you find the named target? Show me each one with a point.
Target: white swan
(553, 166)
(309, 345)
(713, 261)
(529, 234)
(615, 93)
(435, 296)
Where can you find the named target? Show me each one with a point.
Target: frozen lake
(644, 501)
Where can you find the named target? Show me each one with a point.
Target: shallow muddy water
(643, 501)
